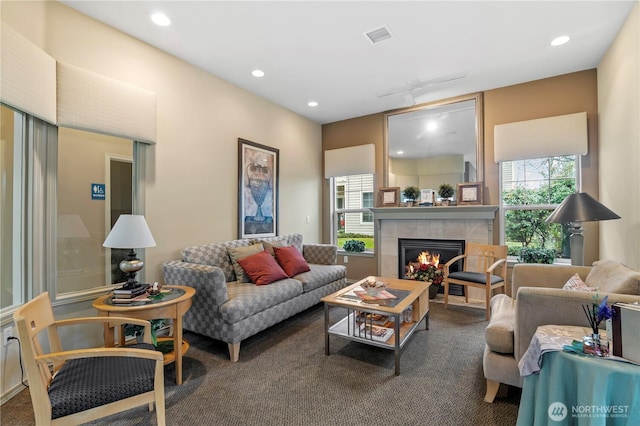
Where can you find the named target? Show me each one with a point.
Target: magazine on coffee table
(375, 332)
(382, 295)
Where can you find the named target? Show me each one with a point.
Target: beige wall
(191, 195)
(619, 110)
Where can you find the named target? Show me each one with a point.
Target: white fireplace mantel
(439, 212)
(470, 223)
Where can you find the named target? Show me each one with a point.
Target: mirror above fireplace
(434, 143)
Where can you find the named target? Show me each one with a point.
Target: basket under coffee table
(363, 320)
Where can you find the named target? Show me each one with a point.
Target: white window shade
(90, 101)
(544, 137)
(355, 160)
(28, 80)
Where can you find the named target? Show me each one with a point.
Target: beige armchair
(540, 300)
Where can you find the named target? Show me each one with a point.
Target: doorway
(119, 198)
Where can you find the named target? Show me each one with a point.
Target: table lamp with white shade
(130, 232)
(575, 209)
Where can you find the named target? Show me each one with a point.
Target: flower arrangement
(597, 313)
(427, 272)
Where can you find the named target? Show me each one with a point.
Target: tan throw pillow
(278, 241)
(576, 283)
(613, 277)
(268, 246)
(237, 253)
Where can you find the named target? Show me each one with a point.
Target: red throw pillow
(262, 268)
(291, 260)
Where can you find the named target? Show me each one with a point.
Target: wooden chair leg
(488, 301)
(492, 391)
(446, 293)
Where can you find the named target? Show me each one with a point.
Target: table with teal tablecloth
(577, 389)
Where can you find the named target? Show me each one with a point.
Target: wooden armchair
(77, 386)
(478, 257)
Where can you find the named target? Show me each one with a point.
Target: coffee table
(173, 306)
(363, 320)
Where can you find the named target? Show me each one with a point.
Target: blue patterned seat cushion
(320, 275)
(86, 383)
(246, 299)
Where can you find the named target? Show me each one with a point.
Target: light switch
(308, 219)
(346, 259)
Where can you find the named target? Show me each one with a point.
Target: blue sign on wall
(97, 191)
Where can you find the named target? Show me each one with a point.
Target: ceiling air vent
(378, 35)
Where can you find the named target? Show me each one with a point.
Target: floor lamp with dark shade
(130, 232)
(575, 209)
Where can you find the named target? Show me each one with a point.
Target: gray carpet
(284, 378)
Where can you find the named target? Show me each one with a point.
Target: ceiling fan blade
(423, 84)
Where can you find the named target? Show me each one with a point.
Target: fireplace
(433, 251)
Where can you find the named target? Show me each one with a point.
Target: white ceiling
(316, 50)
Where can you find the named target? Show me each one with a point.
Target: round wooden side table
(172, 306)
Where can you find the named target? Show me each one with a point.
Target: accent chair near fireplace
(485, 266)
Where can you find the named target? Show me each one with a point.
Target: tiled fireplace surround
(469, 223)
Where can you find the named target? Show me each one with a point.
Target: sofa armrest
(547, 276)
(209, 281)
(320, 254)
(551, 306)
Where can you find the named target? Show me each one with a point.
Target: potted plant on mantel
(445, 191)
(411, 194)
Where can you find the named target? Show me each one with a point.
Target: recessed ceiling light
(257, 73)
(312, 104)
(400, 152)
(560, 40)
(431, 126)
(160, 19)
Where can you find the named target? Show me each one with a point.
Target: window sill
(356, 254)
(513, 261)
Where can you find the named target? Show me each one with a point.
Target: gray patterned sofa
(231, 311)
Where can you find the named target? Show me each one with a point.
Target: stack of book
(121, 295)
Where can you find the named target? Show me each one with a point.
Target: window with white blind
(352, 200)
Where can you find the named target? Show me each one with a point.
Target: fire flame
(423, 258)
(426, 257)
